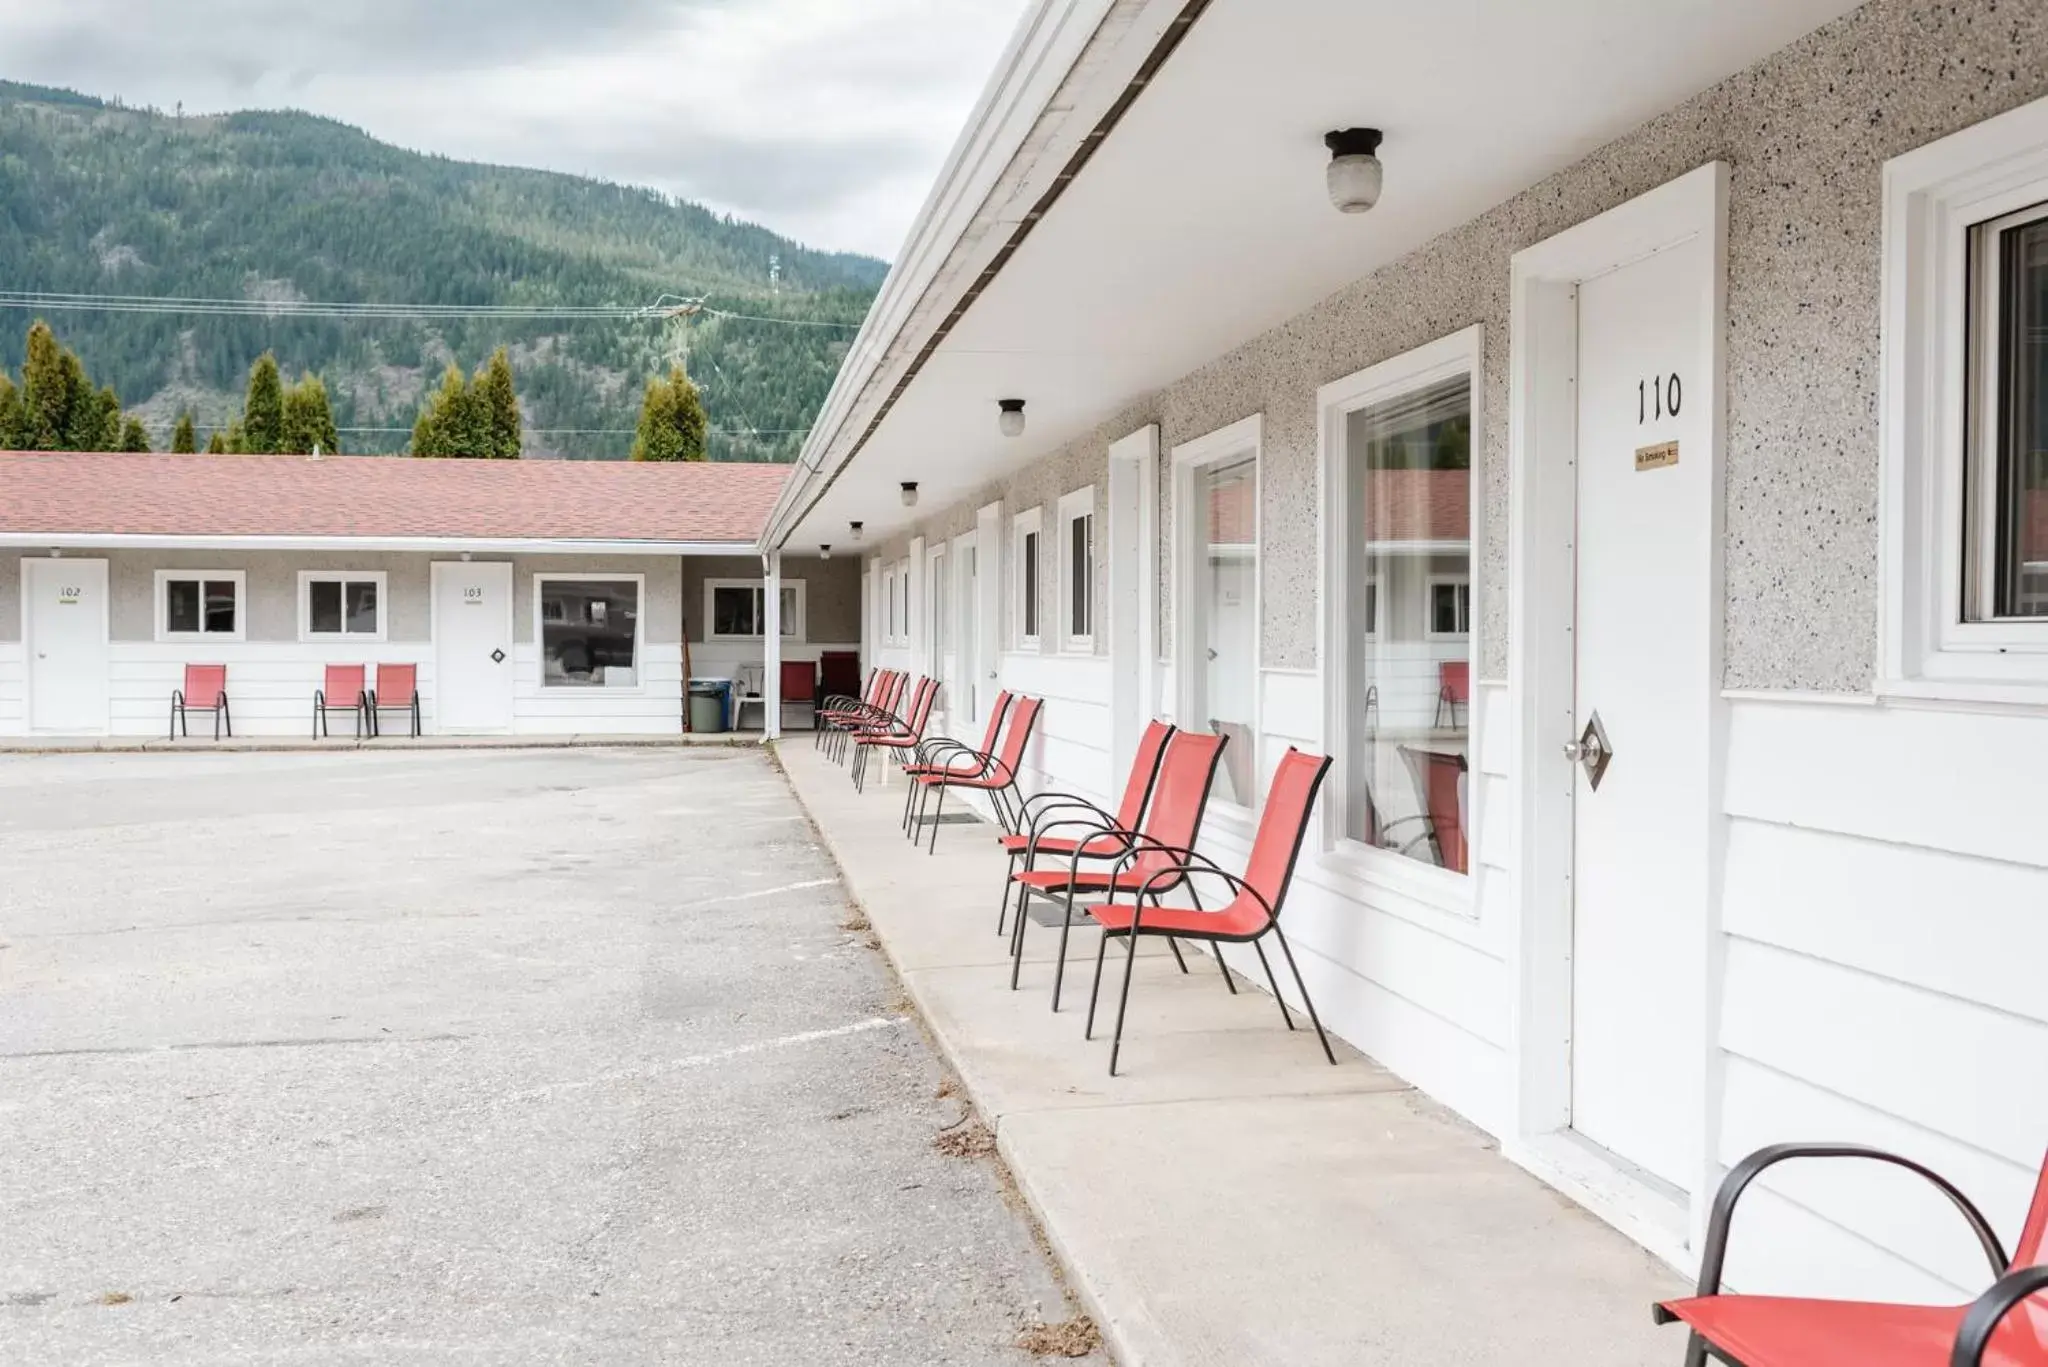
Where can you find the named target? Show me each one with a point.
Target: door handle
(1591, 751)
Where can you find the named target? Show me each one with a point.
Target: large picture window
(200, 605)
(338, 605)
(1216, 480)
(589, 630)
(736, 609)
(2007, 469)
(1398, 470)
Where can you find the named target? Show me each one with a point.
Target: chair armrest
(1742, 1174)
(1100, 828)
(177, 697)
(1989, 1309)
(1060, 799)
(1176, 872)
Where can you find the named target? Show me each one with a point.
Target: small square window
(344, 604)
(736, 609)
(200, 603)
(1450, 608)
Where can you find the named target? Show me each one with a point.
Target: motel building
(531, 598)
(1645, 502)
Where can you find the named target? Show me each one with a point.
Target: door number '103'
(1658, 397)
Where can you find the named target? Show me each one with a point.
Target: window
(589, 630)
(1025, 532)
(1216, 627)
(736, 609)
(1450, 605)
(1077, 567)
(200, 605)
(341, 604)
(1963, 494)
(2006, 469)
(1398, 468)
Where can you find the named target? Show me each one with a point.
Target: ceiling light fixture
(854, 528)
(824, 552)
(910, 493)
(1011, 420)
(1354, 173)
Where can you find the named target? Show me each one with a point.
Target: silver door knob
(1591, 751)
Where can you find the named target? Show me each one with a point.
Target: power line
(666, 306)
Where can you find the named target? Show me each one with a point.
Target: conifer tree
(263, 410)
(184, 437)
(134, 436)
(13, 417)
(672, 424)
(500, 401)
(48, 390)
(308, 419)
(456, 420)
(217, 444)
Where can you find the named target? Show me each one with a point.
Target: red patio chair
(838, 674)
(1250, 914)
(1092, 832)
(1173, 818)
(800, 687)
(341, 681)
(205, 690)
(944, 755)
(1453, 689)
(836, 703)
(878, 711)
(900, 734)
(1440, 779)
(996, 775)
(2006, 1326)
(397, 690)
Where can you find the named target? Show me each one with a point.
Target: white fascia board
(960, 218)
(427, 544)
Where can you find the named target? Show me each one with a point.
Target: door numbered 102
(1658, 397)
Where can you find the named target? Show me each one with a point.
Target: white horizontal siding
(654, 706)
(13, 689)
(1884, 887)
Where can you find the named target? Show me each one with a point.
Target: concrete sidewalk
(1231, 1198)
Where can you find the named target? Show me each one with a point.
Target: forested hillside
(99, 199)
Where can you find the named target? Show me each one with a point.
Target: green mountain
(100, 199)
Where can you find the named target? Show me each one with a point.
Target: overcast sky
(825, 120)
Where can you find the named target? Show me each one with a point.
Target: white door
(473, 668)
(962, 678)
(1644, 666)
(939, 633)
(988, 609)
(64, 615)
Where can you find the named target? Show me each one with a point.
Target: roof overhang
(431, 545)
(1141, 190)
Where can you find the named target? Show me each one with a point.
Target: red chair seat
(1097, 846)
(1087, 880)
(1244, 916)
(1784, 1331)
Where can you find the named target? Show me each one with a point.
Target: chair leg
(1217, 951)
(1313, 1019)
(1095, 988)
(1017, 934)
(1260, 949)
(223, 716)
(1003, 911)
(1123, 1003)
(938, 810)
(1174, 945)
(1059, 969)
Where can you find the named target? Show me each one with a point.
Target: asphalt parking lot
(468, 1057)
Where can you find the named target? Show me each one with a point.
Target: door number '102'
(1658, 397)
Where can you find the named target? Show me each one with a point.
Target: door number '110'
(1657, 397)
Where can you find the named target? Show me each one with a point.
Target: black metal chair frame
(996, 778)
(361, 707)
(179, 707)
(1413, 758)
(2010, 1285)
(838, 731)
(410, 706)
(936, 757)
(923, 693)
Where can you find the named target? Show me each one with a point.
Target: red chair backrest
(343, 683)
(2032, 1249)
(995, 721)
(1441, 777)
(799, 681)
(1454, 677)
(1284, 824)
(921, 706)
(1023, 716)
(205, 684)
(1187, 773)
(892, 691)
(396, 684)
(1144, 773)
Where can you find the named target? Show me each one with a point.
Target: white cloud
(822, 119)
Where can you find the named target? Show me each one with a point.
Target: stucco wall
(831, 591)
(1806, 132)
(10, 596)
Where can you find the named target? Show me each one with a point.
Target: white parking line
(680, 1065)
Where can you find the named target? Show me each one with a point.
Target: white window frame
(1073, 507)
(1438, 889)
(308, 578)
(240, 579)
(1935, 200)
(1430, 632)
(540, 654)
(794, 619)
(1245, 437)
(1030, 522)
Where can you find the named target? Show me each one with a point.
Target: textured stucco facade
(831, 592)
(1805, 133)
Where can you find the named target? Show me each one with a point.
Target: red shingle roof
(89, 493)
